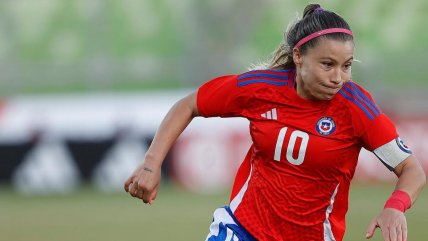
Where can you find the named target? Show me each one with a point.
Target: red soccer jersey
(294, 181)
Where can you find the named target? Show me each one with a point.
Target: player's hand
(144, 183)
(392, 223)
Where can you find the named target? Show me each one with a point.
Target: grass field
(176, 215)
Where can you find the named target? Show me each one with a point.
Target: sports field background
(176, 215)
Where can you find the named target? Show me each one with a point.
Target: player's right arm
(144, 181)
(222, 97)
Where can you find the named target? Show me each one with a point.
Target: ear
(297, 57)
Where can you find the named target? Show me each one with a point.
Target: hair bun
(310, 8)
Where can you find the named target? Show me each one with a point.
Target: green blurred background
(88, 46)
(99, 45)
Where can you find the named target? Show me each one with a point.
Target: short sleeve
(221, 97)
(378, 132)
(371, 124)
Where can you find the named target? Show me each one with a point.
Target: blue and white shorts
(225, 227)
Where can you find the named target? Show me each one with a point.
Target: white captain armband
(393, 153)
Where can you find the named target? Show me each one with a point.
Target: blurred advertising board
(54, 143)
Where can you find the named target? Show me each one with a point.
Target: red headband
(320, 33)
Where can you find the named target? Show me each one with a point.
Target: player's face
(324, 69)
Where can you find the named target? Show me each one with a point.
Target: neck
(299, 85)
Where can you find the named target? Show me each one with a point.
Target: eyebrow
(328, 58)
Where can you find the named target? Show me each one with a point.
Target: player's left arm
(392, 221)
(411, 177)
(379, 135)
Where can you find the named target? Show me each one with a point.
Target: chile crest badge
(325, 126)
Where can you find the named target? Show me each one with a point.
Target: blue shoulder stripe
(372, 104)
(362, 100)
(273, 77)
(249, 75)
(262, 81)
(357, 103)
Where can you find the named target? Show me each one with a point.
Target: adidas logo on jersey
(270, 114)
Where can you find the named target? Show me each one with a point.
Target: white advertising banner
(63, 140)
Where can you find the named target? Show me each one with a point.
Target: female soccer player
(308, 123)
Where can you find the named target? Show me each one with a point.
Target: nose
(336, 78)
(336, 81)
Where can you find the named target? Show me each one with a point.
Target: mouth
(335, 88)
(330, 92)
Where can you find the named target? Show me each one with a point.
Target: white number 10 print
(291, 143)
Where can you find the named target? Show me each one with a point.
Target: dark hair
(314, 19)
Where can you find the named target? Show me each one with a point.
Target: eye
(327, 64)
(348, 66)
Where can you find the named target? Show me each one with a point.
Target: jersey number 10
(290, 147)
